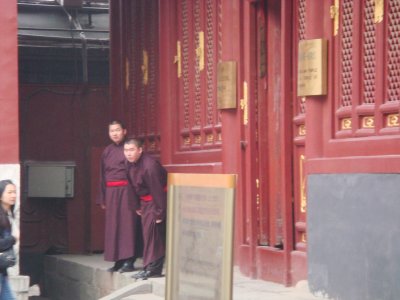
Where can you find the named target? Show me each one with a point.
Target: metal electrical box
(50, 179)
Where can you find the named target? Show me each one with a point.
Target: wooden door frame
(268, 262)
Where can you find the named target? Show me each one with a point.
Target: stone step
(83, 277)
(144, 297)
(158, 286)
(140, 287)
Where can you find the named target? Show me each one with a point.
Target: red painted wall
(9, 144)
(63, 123)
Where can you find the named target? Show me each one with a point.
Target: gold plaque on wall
(312, 68)
(226, 84)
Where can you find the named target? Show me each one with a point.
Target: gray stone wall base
(353, 229)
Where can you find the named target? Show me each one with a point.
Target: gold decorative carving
(378, 11)
(392, 120)
(346, 124)
(145, 67)
(368, 122)
(197, 139)
(127, 81)
(244, 104)
(186, 141)
(200, 51)
(303, 195)
(210, 138)
(303, 237)
(302, 130)
(334, 11)
(178, 59)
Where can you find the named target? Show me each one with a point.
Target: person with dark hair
(149, 180)
(122, 225)
(8, 237)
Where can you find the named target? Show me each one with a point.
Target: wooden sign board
(200, 236)
(226, 84)
(312, 68)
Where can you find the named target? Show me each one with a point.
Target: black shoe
(143, 275)
(117, 265)
(127, 267)
(139, 274)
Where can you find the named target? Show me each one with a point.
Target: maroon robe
(121, 218)
(149, 180)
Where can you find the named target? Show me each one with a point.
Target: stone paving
(244, 288)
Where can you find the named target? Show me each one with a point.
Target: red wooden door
(265, 222)
(272, 106)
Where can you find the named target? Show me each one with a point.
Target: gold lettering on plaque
(178, 59)
(145, 67)
(199, 244)
(378, 11)
(244, 104)
(392, 120)
(200, 50)
(334, 10)
(368, 122)
(312, 68)
(346, 123)
(226, 84)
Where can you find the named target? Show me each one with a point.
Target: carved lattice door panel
(367, 92)
(142, 69)
(197, 53)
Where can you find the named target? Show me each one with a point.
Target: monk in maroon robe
(116, 197)
(149, 180)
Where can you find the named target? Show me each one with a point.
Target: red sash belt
(150, 197)
(117, 183)
(146, 197)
